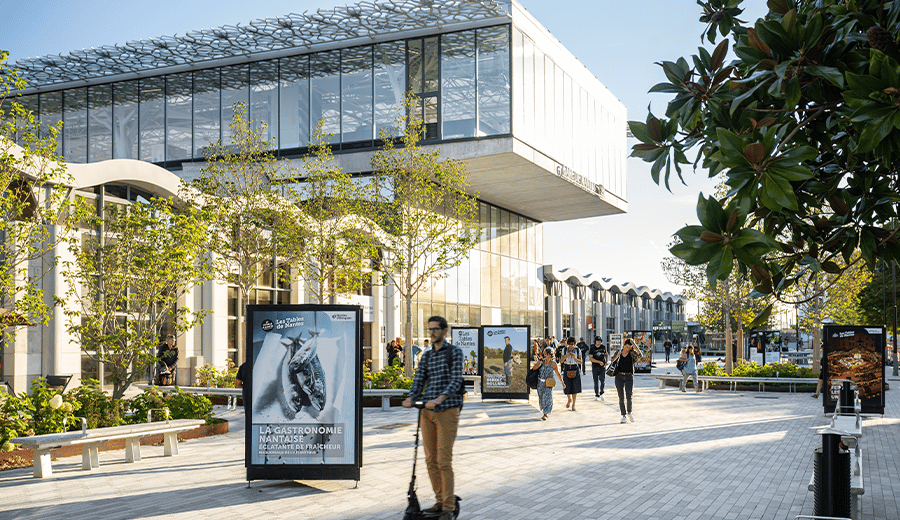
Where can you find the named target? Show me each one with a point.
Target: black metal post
(894, 283)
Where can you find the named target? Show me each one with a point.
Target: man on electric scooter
(441, 369)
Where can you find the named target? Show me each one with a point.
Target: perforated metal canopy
(366, 19)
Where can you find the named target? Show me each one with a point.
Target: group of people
(570, 360)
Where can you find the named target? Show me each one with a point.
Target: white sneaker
(624, 420)
(602, 399)
(630, 418)
(597, 398)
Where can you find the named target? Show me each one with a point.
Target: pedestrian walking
(583, 347)
(625, 377)
(689, 368)
(571, 361)
(598, 356)
(438, 382)
(668, 346)
(546, 367)
(698, 356)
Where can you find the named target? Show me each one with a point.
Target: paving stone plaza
(713, 455)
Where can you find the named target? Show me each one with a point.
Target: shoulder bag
(680, 364)
(533, 378)
(613, 366)
(550, 382)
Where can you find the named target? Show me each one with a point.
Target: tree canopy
(804, 123)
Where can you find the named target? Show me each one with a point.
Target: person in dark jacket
(668, 346)
(583, 347)
(167, 354)
(598, 356)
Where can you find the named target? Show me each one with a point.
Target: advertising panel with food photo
(855, 353)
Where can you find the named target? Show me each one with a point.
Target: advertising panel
(615, 344)
(466, 338)
(504, 357)
(643, 339)
(304, 418)
(855, 353)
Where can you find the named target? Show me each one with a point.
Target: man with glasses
(440, 374)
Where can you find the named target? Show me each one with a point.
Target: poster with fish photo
(304, 418)
(504, 355)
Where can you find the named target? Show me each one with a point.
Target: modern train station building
(542, 138)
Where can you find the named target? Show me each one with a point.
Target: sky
(618, 41)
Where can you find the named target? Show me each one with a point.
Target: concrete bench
(90, 439)
(231, 393)
(385, 394)
(734, 380)
(476, 383)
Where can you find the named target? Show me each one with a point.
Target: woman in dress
(571, 365)
(689, 369)
(625, 377)
(547, 368)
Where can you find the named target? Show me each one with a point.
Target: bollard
(832, 478)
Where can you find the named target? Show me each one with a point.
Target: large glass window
(207, 116)
(294, 102)
(325, 93)
(424, 82)
(179, 130)
(152, 119)
(356, 91)
(75, 125)
(234, 90)
(264, 98)
(31, 104)
(390, 84)
(125, 120)
(493, 81)
(100, 123)
(458, 85)
(540, 100)
(51, 115)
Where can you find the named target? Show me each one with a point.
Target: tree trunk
(239, 332)
(407, 332)
(729, 361)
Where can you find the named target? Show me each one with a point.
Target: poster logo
(268, 325)
(342, 316)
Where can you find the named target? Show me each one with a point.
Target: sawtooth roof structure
(364, 21)
(607, 284)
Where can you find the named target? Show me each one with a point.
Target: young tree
(333, 256)
(804, 123)
(726, 304)
(430, 223)
(126, 280)
(35, 212)
(240, 189)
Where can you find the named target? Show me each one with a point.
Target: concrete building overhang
(515, 176)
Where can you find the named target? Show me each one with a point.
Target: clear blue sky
(619, 41)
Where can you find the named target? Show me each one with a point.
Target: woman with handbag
(571, 363)
(624, 368)
(546, 367)
(687, 363)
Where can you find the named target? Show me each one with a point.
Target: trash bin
(832, 478)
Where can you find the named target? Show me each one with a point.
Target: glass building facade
(461, 79)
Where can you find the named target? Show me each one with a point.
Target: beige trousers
(438, 435)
